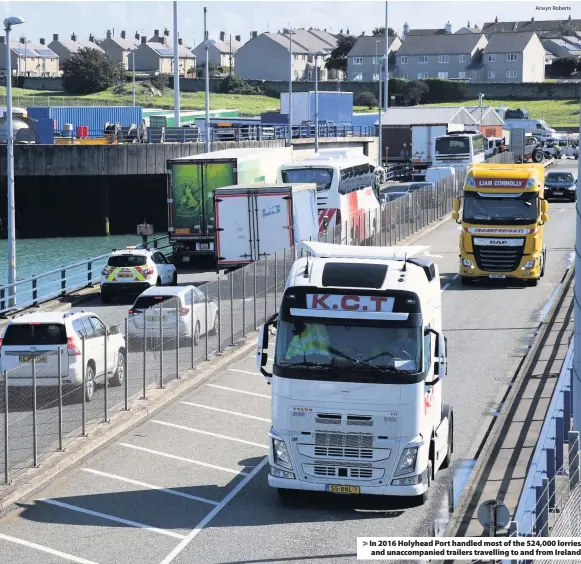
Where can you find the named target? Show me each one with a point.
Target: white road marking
(46, 549)
(225, 411)
(244, 371)
(184, 459)
(238, 391)
(457, 275)
(428, 254)
(112, 518)
(150, 486)
(445, 287)
(191, 429)
(208, 518)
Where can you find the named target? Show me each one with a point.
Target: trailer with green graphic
(190, 193)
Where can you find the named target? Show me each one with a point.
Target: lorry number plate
(497, 276)
(343, 489)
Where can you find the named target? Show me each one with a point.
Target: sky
(43, 19)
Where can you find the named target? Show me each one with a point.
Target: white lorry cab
(357, 376)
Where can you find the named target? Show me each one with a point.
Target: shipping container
(254, 221)
(365, 119)
(334, 107)
(94, 117)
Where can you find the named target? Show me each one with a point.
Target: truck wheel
(538, 156)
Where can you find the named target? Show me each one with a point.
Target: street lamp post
(207, 80)
(290, 88)
(8, 23)
(317, 55)
(133, 78)
(176, 67)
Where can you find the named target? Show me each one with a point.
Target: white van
(436, 173)
(537, 127)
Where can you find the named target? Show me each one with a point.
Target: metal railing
(47, 401)
(61, 281)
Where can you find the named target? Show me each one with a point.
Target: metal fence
(47, 400)
(60, 281)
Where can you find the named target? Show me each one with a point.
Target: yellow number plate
(39, 359)
(343, 489)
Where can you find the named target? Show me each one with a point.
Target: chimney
(73, 37)
(23, 40)
(1, 40)
(180, 41)
(468, 24)
(532, 19)
(42, 41)
(143, 39)
(156, 33)
(406, 30)
(448, 27)
(108, 34)
(92, 38)
(137, 36)
(254, 34)
(569, 18)
(222, 36)
(496, 19)
(55, 36)
(166, 32)
(123, 35)
(238, 38)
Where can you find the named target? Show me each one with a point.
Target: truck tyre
(174, 281)
(448, 412)
(574, 198)
(285, 495)
(538, 156)
(105, 297)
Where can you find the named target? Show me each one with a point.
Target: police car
(132, 270)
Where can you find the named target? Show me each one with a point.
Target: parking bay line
(206, 520)
(149, 486)
(46, 549)
(183, 459)
(244, 371)
(192, 430)
(239, 391)
(225, 411)
(112, 518)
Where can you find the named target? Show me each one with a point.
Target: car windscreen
(560, 177)
(322, 177)
(145, 302)
(32, 334)
(127, 260)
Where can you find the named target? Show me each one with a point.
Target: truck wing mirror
(545, 217)
(455, 215)
(262, 347)
(441, 361)
(544, 206)
(456, 205)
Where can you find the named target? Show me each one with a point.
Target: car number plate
(125, 275)
(39, 359)
(335, 488)
(497, 276)
(152, 318)
(558, 193)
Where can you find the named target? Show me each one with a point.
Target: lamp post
(382, 61)
(176, 67)
(133, 78)
(317, 54)
(386, 55)
(207, 44)
(8, 23)
(290, 88)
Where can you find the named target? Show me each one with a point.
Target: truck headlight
(281, 473)
(411, 481)
(529, 264)
(407, 462)
(470, 182)
(467, 263)
(531, 183)
(280, 453)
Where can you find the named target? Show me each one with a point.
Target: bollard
(254, 300)
(232, 309)
(559, 440)
(125, 366)
(206, 314)
(105, 378)
(6, 433)
(144, 354)
(542, 510)
(193, 327)
(161, 345)
(89, 274)
(34, 420)
(34, 291)
(571, 388)
(2, 299)
(83, 391)
(60, 398)
(244, 302)
(177, 300)
(219, 314)
(566, 412)
(573, 459)
(550, 452)
(63, 282)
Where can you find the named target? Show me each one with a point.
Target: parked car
(189, 319)
(37, 337)
(561, 185)
(551, 150)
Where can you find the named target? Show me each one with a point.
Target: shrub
(366, 99)
(89, 70)
(237, 85)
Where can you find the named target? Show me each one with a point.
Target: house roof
(325, 36)
(41, 50)
(474, 111)
(423, 115)
(167, 50)
(439, 44)
(311, 42)
(575, 50)
(126, 44)
(74, 46)
(470, 29)
(365, 45)
(506, 42)
(283, 41)
(224, 46)
(540, 26)
(425, 32)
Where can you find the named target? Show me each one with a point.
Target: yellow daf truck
(503, 215)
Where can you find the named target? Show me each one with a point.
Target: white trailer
(254, 221)
(359, 361)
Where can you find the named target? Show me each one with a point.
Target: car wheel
(174, 281)
(197, 334)
(89, 383)
(574, 198)
(214, 330)
(119, 376)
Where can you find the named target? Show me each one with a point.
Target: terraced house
(29, 59)
(363, 60)
(445, 56)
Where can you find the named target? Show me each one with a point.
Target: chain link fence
(46, 400)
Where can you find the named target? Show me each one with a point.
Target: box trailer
(254, 221)
(191, 183)
(334, 107)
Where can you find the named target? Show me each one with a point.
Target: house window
(443, 75)
(511, 57)
(491, 75)
(461, 74)
(357, 77)
(422, 75)
(375, 76)
(491, 58)
(423, 60)
(510, 74)
(357, 60)
(443, 59)
(404, 75)
(461, 58)
(403, 60)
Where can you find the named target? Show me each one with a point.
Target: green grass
(558, 113)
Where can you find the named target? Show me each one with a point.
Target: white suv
(132, 270)
(39, 336)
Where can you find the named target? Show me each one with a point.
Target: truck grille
(495, 259)
(340, 452)
(345, 440)
(351, 472)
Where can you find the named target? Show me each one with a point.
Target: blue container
(95, 117)
(368, 119)
(334, 107)
(44, 131)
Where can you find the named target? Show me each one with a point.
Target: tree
(233, 84)
(366, 99)
(414, 91)
(338, 58)
(564, 66)
(381, 31)
(89, 70)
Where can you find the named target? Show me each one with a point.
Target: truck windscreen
(365, 353)
(322, 177)
(453, 146)
(495, 211)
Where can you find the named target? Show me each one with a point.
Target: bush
(445, 90)
(415, 91)
(366, 99)
(160, 81)
(88, 71)
(237, 85)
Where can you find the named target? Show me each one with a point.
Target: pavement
(188, 485)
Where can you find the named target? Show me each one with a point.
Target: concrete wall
(136, 159)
